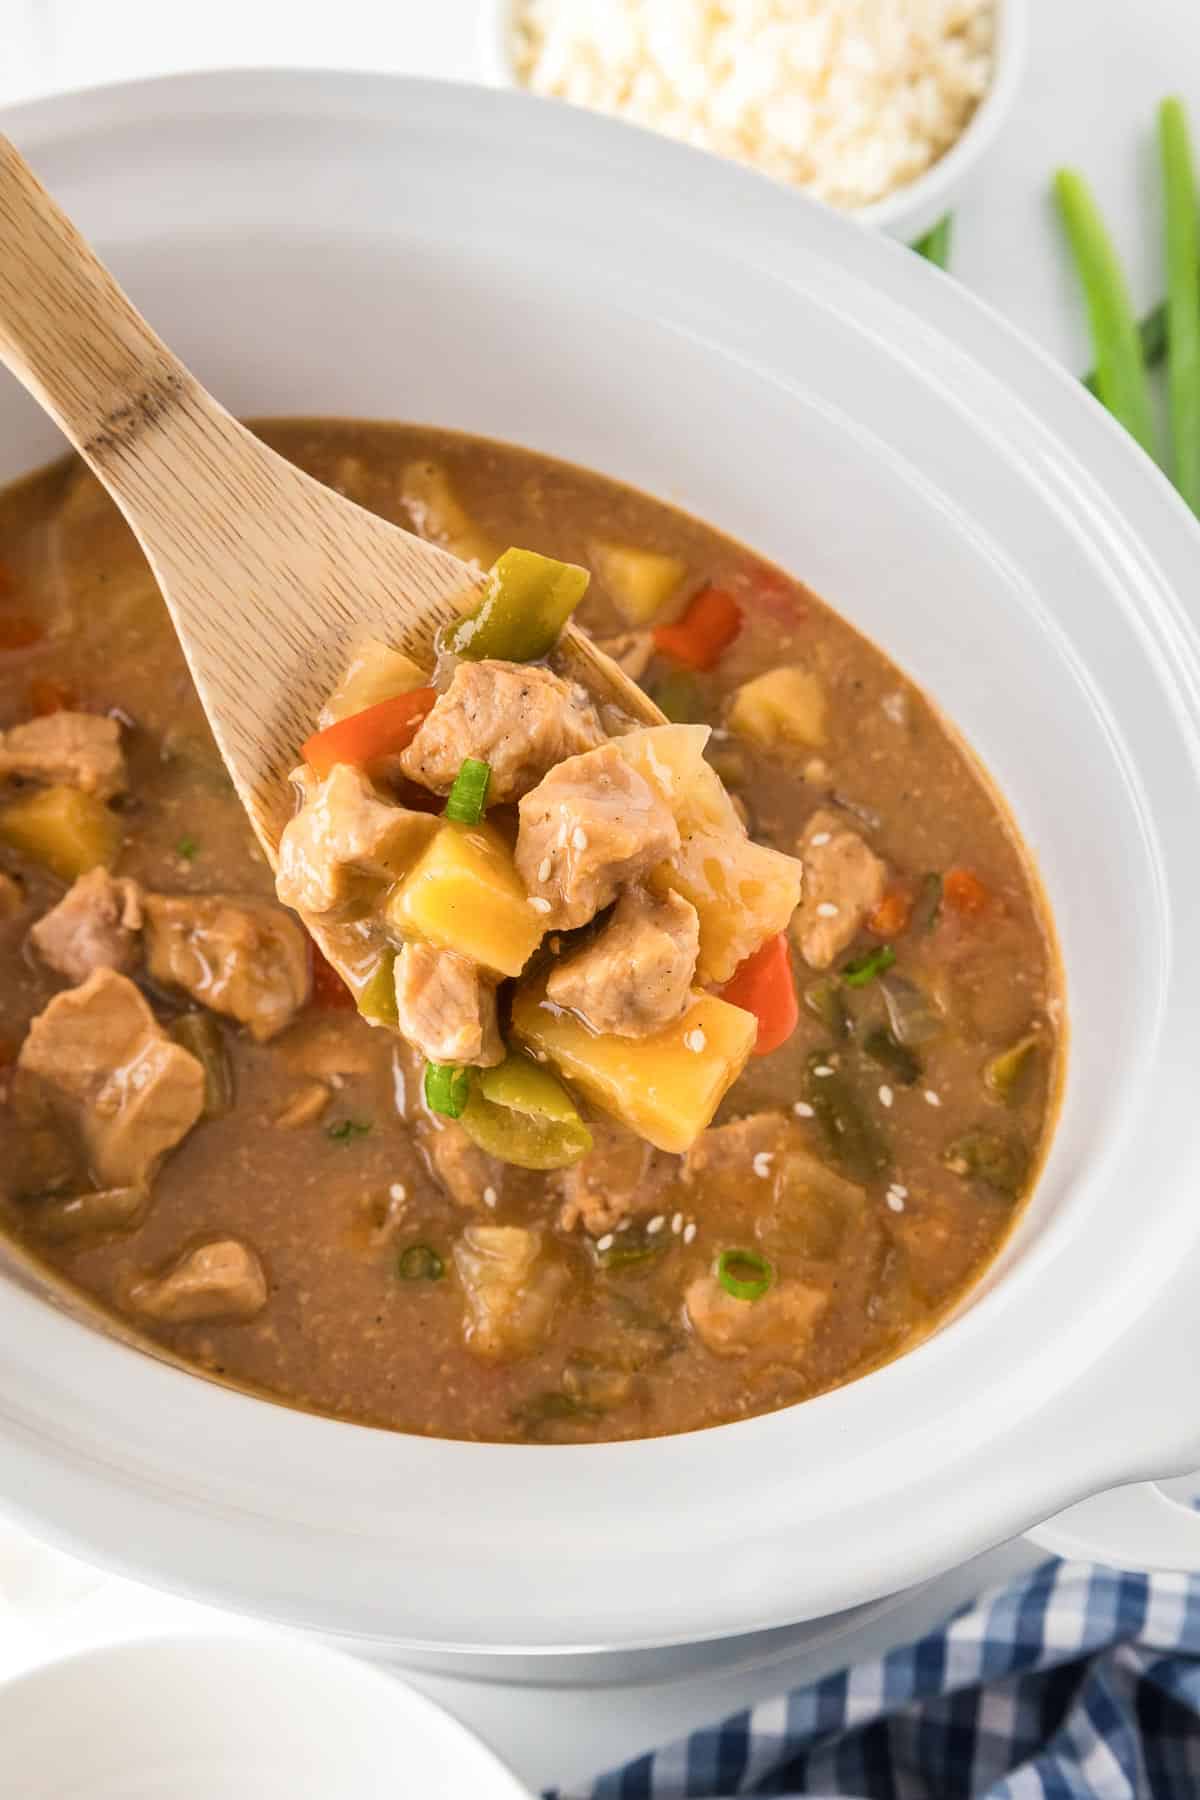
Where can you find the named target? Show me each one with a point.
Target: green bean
(935, 245)
(1183, 298)
(1120, 371)
(201, 1036)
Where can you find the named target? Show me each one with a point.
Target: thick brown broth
(328, 1207)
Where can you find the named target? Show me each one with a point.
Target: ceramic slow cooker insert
(360, 245)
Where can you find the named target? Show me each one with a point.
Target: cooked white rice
(848, 99)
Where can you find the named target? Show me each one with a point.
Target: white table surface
(1098, 69)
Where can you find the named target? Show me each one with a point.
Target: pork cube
(590, 828)
(446, 1008)
(519, 719)
(637, 975)
(843, 881)
(96, 925)
(222, 1280)
(114, 1076)
(245, 958)
(67, 749)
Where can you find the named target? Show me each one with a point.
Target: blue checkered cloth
(1073, 1683)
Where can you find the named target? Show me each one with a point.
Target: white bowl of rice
(880, 108)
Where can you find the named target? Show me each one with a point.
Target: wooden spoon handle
(67, 331)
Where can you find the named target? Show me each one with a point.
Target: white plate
(353, 244)
(233, 1718)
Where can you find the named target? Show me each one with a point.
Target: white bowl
(348, 244)
(908, 211)
(233, 1718)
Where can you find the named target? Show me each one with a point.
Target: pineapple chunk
(439, 516)
(640, 583)
(376, 672)
(66, 830)
(743, 892)
(465, 894)
(671, 757)
(665, 1087)
(784, 706)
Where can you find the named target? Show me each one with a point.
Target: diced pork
(793, 1203)
(68, 749)
(446, 1008)
(469, 1175)
(12, 897)
(779, 1323)
(219, 1281)
(637, 975)
(632, 651)
(590, 828)
(843, 881)
(512, 1287)
(520, 720)
(245, 958)
(96, 925)
(343, 841)
(621, 1176)
(111, 1073)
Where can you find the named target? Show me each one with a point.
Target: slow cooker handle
(1138, 1527)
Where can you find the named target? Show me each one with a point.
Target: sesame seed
(803, 1110)
(689, 1231)
(655, 1226)
(606, 1242)
(896, 1202)
(336, 1081)
(539, 905)
(827, 910)
(677, 1224)
(695, 1040)
(544, 868)
(898, 1187)
(625, 1224)
(579, 838)
(819, 839)
(822, 1071)
(762, 1164)
(489, 1196)
(932, 1098)
(886, 1095)
(398, 1191)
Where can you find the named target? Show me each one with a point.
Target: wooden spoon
(270, 578)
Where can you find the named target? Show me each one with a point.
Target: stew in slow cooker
(509, 1216)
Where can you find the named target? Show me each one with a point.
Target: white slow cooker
(346, 244)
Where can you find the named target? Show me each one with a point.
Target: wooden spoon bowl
(270, 578)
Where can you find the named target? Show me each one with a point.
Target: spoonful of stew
(486, 826)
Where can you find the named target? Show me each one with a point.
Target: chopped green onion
(529, 599)
(935, 245)
(419, 1263)
(1183, 298)
(447, 1089)
(863, 970)
(756, 1277)
(346, 1129)
(1120, 371)
(188, 849)
(468, 796)
(1152, 333)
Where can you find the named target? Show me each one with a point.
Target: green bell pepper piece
(520, 1113)
(528, 601)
